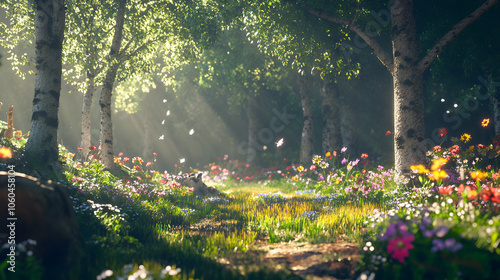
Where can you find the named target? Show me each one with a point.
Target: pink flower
(399, 247)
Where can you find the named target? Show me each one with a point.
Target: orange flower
(5, 152)
(485, 122)
(478, 175)
(438, 175)
(437, 163)
(328, 154)
(364, 155)
(446, 190)
(388, 132)
(419, 169)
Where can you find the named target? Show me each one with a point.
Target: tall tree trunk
(306, 145)
(254, 147)
(495, 99)
(86, 120)
(106, 135)
(41, 149)
(409, 129)
(331, 113)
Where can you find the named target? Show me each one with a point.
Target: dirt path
(305, 260)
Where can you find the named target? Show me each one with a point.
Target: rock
(200, 189)
(43, 213)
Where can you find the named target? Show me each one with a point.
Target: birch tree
(42, 149)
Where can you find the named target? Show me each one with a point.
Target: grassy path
(255, 232)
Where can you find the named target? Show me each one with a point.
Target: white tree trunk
(330, 111)
(41, 148)
(409, 129)
(86, 109)
(106, 135)
(306, 146)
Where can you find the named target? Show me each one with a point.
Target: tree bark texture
(409, 128)
(306, 146)
(348, 127)
(106, 134)
(86, 120)
(330, 111)
(42, 148)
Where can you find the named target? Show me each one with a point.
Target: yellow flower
(465, 137)
(300, 168)
(316, 159)
(183, 194)
(438, 175)
(471, 148)
(295, 178)
(419, 168)
(5, 152)
(437, 163)
(328, 154)
(485, 122)
(478, 175)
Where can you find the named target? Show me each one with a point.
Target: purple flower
(437, 245)
(391, 230)
(380, 167)
(343, 161)
(402, 227)
(426, 220)
(428, 233)
(343, 149)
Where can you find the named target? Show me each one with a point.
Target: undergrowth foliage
(142, 223)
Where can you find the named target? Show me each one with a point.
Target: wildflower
(213, 167)
(328, 154)
(155, 154)
(364, 155)
(438, 175)
(126, 159)
(344, 161)
(80, 149)
(455, 149)
(5, 152)
(480, 146)
(295, 178)
(445, 190)
(491, 193)
(485, 122)
(436, 149)
(93, 148)
(478, 175)
(323, 164)
(437, 163)
(138, 168)
(138, 160)
(465, 137)
(442, 132)
(399, 247)
(343, 149)
(449, 244)
(148, 163)
(120, 154)
(312, 167)
(419, 169)
(18, 134)
(300, 168)
(380, 167)
(316, 159)
(387, 132)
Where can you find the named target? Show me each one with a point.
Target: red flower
(437, 149)
(491, 193)
(313, 167)
(480, 146)
(388, 132)
(126, 159)
(364, 155)
(93, 148)
(496, 141)
(80, 149)
(155, 154)
(399, 247)
(446, 190)
(214, 167)
(455, 150)
(442, 132)
(120, 154)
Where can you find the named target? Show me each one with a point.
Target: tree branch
(450, 36)
(383, 56)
